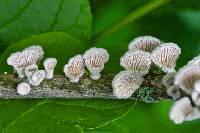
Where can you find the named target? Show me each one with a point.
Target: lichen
(147, 95)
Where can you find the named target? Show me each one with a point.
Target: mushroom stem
(49, 74)
(95, 76)
(20, 72)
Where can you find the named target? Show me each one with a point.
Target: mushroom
(23, 88)
(168, 79)
(186, 78)
(125, 84)
(28, 56)
(75, 68)
(181, 110)
(137, 61)
(145, 43)
(37, 77)
(195, 61)
(165, 56)
(95, 58)
(174, 92)
(49, 65)
(29, 70)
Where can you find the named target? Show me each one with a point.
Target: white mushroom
(28, 56)
(195, 114)
(145, 43)
(37, 77)
(125, 84)
(75, 68)
(186, 78)
(95, 58)
(180, 110)
(165, 56)
(49, 65)
(174, 92)
(195, 61)
(23, 88)
(29, 70)
(168, 79)
(196, 98)
(136, 60)
(197, 86)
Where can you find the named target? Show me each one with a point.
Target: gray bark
(60, 87)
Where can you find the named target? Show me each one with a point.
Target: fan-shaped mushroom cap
(95, 58)
(136, 60)
(197, 86)
(165, 56)
(195, 114)
(23, 88)
(195, 61)
(180, 110)
(145, 43)
(75, 68)
(28, 56)
(37, 77)
(186, 78)
(49, 65)
(125, 84)
(196, 98)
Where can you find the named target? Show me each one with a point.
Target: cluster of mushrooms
(25, 65)
(143, 53)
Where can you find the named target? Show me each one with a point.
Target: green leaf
(59, 115)
(148, 118)
(55, 44)
(24, 18)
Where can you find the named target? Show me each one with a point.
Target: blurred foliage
(26, 22)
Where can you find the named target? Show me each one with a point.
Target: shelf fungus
(145, 43)
(186, 78)
(23, 88)
(37, 77)
(28, 56)
(49, 65)
(182, 111)
(95, 58)
(165, 56)
(75, 68)
(137, 61)
(125, 84)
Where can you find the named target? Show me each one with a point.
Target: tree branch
(60, 87)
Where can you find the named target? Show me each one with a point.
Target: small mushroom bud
(49, 65)
(29, 70)
(187, 77)
(168, 79)
(174, 92)
(165, 56)
(125, 84)
(145, 43)
(75, 68)
(37, 77)
(23, 88)
(95, 58)
(180, 110)
(137, 61)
